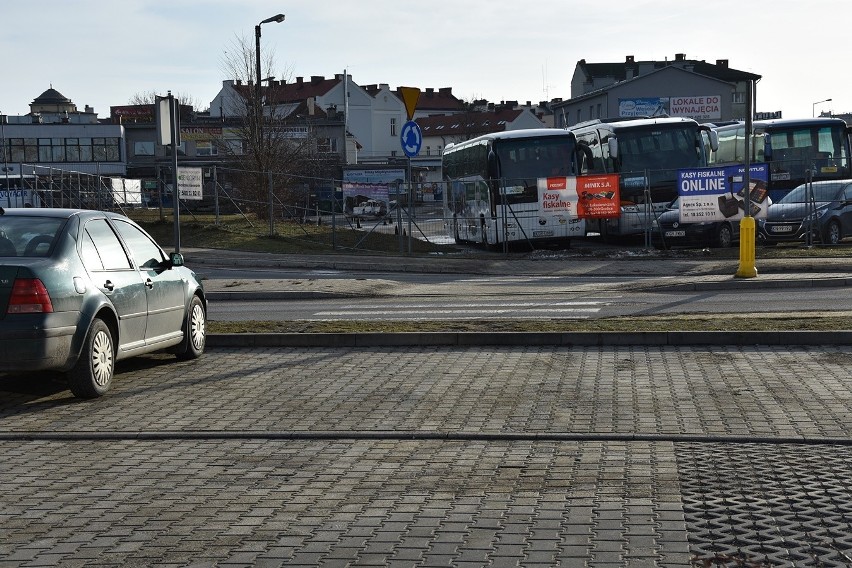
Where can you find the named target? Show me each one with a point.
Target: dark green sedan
(80, 290)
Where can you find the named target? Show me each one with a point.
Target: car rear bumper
(37, 342)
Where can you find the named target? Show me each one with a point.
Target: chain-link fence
(327, 214)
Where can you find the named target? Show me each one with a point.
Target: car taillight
(29, 296)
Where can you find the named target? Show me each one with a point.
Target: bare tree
(150, 98)
(267, 130)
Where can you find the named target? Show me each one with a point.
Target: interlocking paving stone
(605, 497)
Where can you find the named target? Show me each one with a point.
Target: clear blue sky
(102, 52)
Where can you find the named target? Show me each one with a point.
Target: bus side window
(607, 163)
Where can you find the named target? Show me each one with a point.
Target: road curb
(514, 339)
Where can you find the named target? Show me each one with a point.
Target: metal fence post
(271, 208)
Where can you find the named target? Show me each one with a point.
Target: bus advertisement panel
(583, 197)
(719, 194)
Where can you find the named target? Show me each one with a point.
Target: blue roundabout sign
(411, 138)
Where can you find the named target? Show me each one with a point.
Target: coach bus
(796, 150)
(647, 154)
(492, 195)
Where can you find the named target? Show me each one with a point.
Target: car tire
(724, 236)
(92, 375)
(833, 234)
(194, 331)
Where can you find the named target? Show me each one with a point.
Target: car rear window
(28, 236)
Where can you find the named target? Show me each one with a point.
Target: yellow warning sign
(410, 96)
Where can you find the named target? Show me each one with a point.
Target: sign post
(168, 133)
(411, 139)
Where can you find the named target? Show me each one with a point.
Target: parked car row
(821, 210)
(80, 290)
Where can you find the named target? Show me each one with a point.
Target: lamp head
(278, 18)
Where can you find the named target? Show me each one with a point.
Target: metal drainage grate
(766, 505)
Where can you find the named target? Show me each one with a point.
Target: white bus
(647, 154)
(492, 195)
(19, 191)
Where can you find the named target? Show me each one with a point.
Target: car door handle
(108, 285)
(149, 283)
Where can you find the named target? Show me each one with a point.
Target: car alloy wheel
(833, 234)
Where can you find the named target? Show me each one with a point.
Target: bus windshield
(659, 148)
(793, 152)
(524, 161)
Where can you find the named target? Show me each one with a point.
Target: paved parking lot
(437, 456)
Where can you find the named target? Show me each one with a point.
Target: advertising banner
(583, 197)
(717, 194)
(599, 197)
(190, 184)
(643, 106)
(373, 186)
(698, 107)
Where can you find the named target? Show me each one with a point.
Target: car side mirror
(176, 259)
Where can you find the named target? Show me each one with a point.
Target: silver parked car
(80, 290)
(825, 210)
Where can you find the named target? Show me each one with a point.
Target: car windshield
(821, 192)
(28, 236)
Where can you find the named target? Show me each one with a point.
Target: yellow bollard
(748, 238)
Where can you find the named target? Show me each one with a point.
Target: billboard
(373, 185)
(717, 194)
(697, 107)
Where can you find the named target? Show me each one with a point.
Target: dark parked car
(825, 211)
(669, 232)
(80, 290)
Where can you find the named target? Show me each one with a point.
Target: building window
(236, 147)
(393, 127)
(599, 110)
(327, 145)
(51, 150)
(428, 151)
(143, 148)
(738, 98)
(206, 148)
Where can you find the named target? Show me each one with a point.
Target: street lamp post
(813, 108)
(278, 18)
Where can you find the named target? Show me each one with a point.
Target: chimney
(300, 80)
(680, 57)
(446, 90)
(317, 78)
(630, 59)
(430, 91)
(722, 63)
(239, 82)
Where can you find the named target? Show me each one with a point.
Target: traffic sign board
(411, 138)
(410, 96)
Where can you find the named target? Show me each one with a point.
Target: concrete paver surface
(437, 456)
